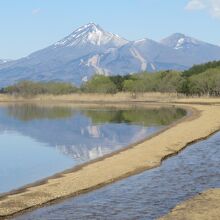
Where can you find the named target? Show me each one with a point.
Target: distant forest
(199, 80)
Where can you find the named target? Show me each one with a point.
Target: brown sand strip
(145, 155)
(205, 206)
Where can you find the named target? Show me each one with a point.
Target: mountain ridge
(90, 49)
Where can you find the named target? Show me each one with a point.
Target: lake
(37, 141)
(148, 195)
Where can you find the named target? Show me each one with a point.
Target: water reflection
(27, 112)
(148, 195)
(145, 117)
(66, 136)
(135, 115)
(85, 134)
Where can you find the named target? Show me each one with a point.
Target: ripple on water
(148, 195)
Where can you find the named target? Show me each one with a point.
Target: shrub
(99, 84)
(29, 88)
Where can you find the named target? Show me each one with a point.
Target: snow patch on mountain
(94, 62)
(180, 41)
(91, 34)
(140, 41)
(3, 61)
(186, 42)
(90, 49)
(138, 56)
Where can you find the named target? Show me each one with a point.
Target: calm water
(148, 195)
(37, 141)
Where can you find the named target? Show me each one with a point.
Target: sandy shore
(205, 206)
(146, 155)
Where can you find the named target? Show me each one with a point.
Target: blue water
(23, 160)
(37, 141)
(148, 195)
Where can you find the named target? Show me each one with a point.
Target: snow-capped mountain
(197, 51)
(180, 41)
(91, 34)
(90, 49)
(142, 55)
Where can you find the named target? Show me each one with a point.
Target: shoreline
(189, 112)
(202, 206)
(135, 159)
(123, 97)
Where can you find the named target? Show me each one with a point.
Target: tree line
(199, 80)
(30, 88)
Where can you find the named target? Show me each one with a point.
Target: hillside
(90, 49)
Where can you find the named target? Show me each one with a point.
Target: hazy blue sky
(29, 25)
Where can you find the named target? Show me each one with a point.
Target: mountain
(197, 51)
(142, 55)
(4, 61)
(90, 49)
(74, 58)
(91, 34)
(180, 41)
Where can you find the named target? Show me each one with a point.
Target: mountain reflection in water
(39, 141)
(85, 134)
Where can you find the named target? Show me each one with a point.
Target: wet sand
(205, 206)
(146, 155)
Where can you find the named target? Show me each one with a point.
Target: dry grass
(119, 97)
(91, 97)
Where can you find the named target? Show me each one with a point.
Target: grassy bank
(91, 97)
(122, 97)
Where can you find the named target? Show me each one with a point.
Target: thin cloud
(36, 11)
(212, 6)
(216, 8)
(195, 5)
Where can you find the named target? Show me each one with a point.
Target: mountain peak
(90, 27)
(179, 41)
(91, 34)
(178, 35)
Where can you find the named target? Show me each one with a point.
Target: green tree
(99, 84)
(197, 69)
(29, 88)
(119, 80)
(206, 83)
